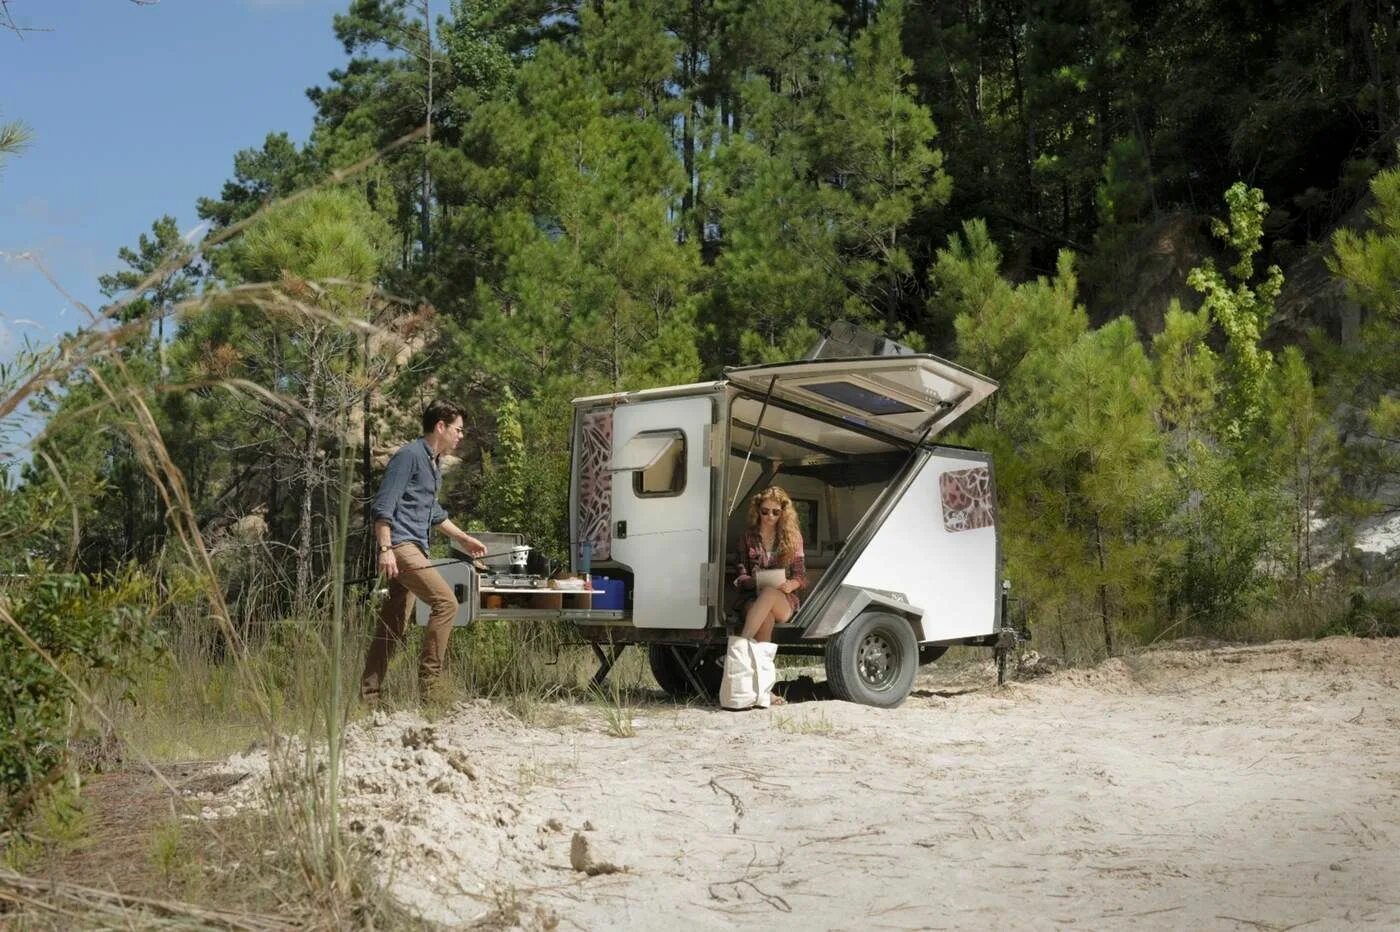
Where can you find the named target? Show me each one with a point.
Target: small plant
(60, 821)
(508, 904)
(817, 724)
(531, 774)
(166, 849)
(538, 710)
(617, 710)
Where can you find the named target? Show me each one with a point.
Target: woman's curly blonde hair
(789, 538)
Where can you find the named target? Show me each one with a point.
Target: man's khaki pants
(417, 578)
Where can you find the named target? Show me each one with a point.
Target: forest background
(1170, 231)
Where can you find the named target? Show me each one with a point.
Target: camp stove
(505, 564)
(513, 581)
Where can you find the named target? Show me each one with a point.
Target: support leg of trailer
(1007, 641)
(606, 659)
(689, 666)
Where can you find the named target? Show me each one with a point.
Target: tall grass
(216, 689)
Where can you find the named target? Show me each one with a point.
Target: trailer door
(661, 508)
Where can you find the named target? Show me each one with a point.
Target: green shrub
(1369, 615)
(59, 630)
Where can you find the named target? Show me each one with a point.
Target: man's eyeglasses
(771, 511)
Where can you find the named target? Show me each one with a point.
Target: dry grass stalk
(324, 859)
(89, 905)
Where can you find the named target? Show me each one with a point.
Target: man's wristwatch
(385, 548)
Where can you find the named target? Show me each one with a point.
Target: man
(405, 509)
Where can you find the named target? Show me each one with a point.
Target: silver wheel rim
(877, 660)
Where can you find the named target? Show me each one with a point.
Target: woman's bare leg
(780, 611)
(761, 610)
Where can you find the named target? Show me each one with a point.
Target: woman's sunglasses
(771, 511)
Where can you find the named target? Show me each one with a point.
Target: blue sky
(136, 111)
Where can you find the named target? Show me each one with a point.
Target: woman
(772, 541)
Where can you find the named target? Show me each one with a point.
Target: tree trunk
(1110, 640)
(365, 467)
(311, 478)
(426, 205)
(616, 351)
(1023, 111)
(690, 76)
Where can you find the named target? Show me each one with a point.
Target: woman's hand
(791, 585)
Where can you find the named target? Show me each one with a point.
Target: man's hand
(473, 546)
(388, 564)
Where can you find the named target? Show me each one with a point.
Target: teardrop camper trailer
(900, 532)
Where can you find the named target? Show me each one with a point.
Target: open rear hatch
(908, 398)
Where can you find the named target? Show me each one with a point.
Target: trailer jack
(606, 659)
(1011, 636)
(688, 667)
(1007, 641)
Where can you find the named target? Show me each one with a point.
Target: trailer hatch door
(902, 396)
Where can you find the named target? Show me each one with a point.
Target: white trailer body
(900, 533)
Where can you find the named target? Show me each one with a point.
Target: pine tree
(1102, 474)
(874, 144)
(1081, 468)
(156, 278)
(504, 496)
(1367, 373)
(320, 256)
(1012, 333)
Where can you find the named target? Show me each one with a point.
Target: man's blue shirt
(407, 497)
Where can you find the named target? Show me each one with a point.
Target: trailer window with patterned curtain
(595, 482)
(967, 499)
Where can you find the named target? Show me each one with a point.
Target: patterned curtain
(595, 483)
(967, 499)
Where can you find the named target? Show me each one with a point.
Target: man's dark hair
(440, 410)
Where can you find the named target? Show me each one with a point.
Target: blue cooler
(609, 595)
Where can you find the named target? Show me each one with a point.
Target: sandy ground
(1225, 788)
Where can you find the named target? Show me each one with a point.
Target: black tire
(928, 653)
(671, 678)
(873, 660)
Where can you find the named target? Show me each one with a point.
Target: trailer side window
(665, 476)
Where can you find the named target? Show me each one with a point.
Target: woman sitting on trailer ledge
(771, 566)
(772, 541)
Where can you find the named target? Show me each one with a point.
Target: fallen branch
(772, 899)
(734, 801)
(62, 897)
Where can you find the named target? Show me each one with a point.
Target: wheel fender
(850, 602)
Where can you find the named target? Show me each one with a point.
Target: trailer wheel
(672, 679)
(873, 660)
